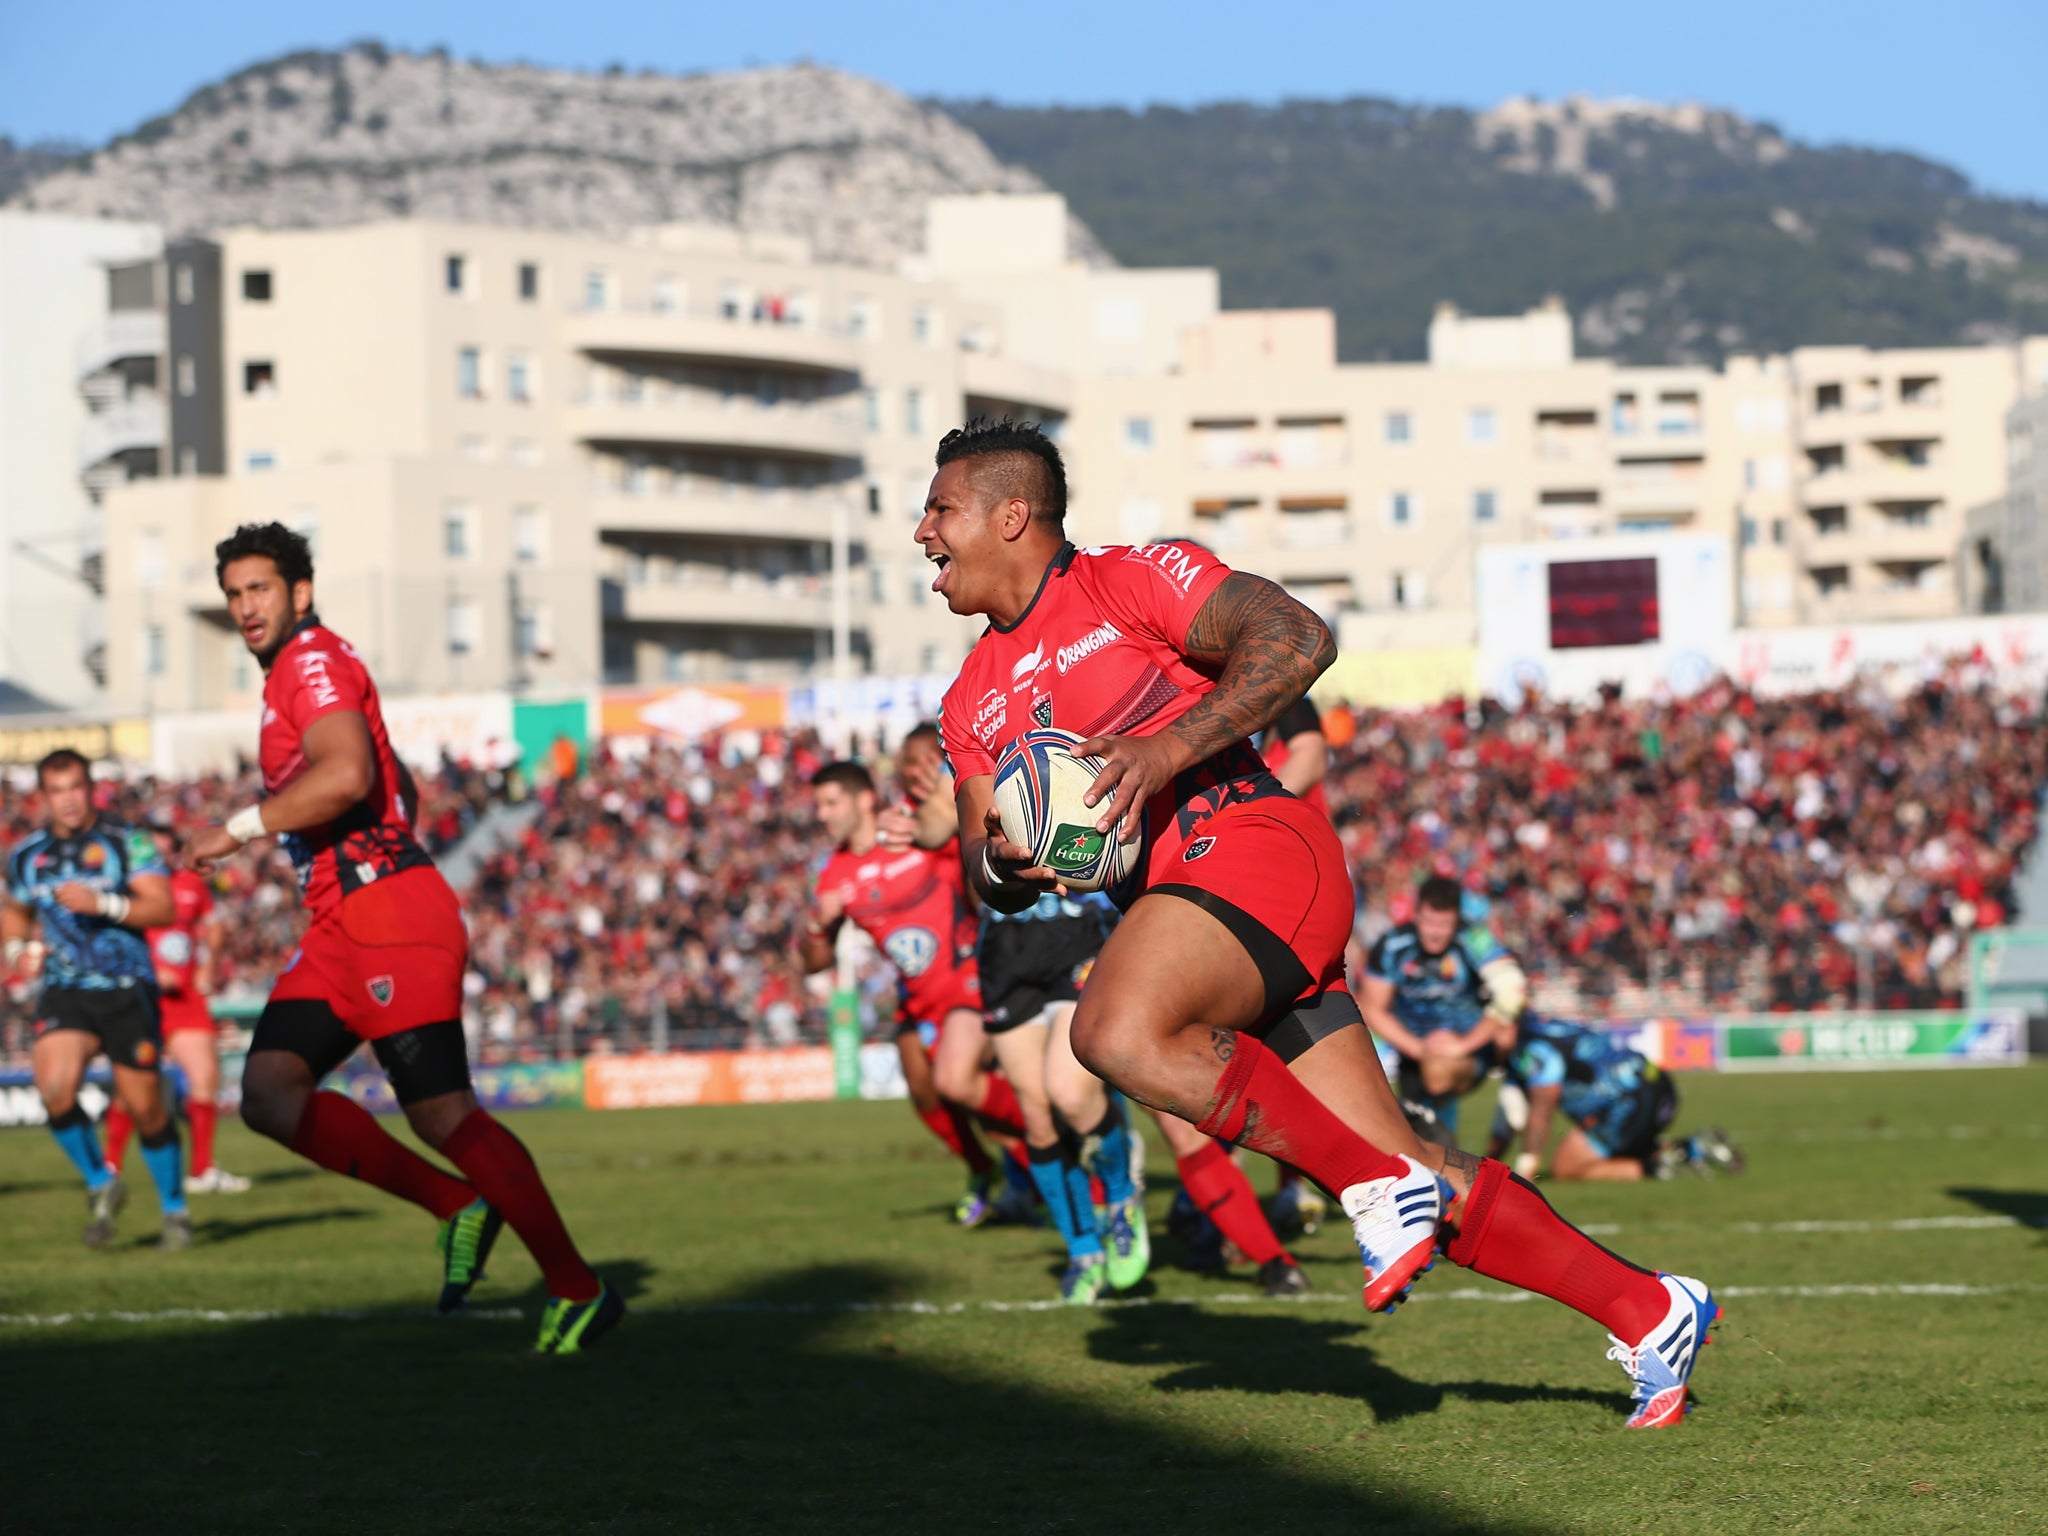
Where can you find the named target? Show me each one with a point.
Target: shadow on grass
(2028, 1208)
(774, 1411)
(225, 1229)
(1261, 1352)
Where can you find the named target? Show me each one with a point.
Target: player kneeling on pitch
(1221, 996)
(383, 956)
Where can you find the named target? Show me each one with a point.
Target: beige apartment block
(2003, 562)
(1895, 447)
(723, 445)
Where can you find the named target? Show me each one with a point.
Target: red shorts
(387, 958)
(184, 1011)
(939, 993)
(1273, 873)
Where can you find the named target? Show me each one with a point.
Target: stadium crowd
(1718, 852)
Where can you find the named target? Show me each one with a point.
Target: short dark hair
(1020, 461)
(63, 757)
(288, 551)
(849, 776)
(923, 729)
(1440, 893)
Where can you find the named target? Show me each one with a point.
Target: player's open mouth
(945, 564)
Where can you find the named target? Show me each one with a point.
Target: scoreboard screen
(1603, 602)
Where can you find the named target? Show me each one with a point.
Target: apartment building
(2003, 562)
(80, 410)
(535, 460)
(1895, 448)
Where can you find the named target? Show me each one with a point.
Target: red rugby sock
(498, 1164)
(1509, 1232)
(343, 1137)
(952, 1125)
(117, 1127)
(1221, 1191)
(1258, 1103)
(999, 1106)
(204, 1115)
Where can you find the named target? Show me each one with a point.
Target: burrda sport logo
(1072, 655)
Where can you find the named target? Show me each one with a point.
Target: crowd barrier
(849, 1069)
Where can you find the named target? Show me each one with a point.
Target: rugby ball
(1038, 788)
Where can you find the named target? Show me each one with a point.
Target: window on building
(188, 376)
(305, 522)
(529, 535)
(597, 289)
(1830, 578)
(1398, 427)
(154, 659)
(149, 561)
(255, 285)
(462, 626)
(1749, 533)
(523, 451)
(878, 583)
(1398, 588)
(182, 283)
(874, 499)
(259, 379)
(529, 282)
(861, 318)
(258, 459)
(534, 631)
(732, 303)
(1481, 426)
(668, 298)
(458, 530)
(1828, 397)
(1400, 508)
(519, 377)
(1484, 506)
(454, 271)
(469, 374)
(1137, 434)
(1778, 530)
(871, 408)
(188, 460)
(921, 325)
(913, 412)
(767, 390)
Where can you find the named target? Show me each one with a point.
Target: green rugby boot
(1130, 1243)
(465, 1242)
(570, 1327)
(1082, 1284)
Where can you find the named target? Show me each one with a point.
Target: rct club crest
(381, 988)
(1042, 713)
(1197, 848)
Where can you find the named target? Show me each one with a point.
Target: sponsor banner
(692, 712)
(95, 740)
(1822, 1041)
(1399, 679)
(1675, 1045)
(474, 728)
(709, 1077)
(514, 1085)
(868, 706)
(2013, 646)
(881, 1073)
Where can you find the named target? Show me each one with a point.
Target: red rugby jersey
(176, 946)
(1102, 651)
(317, 674)
(911, 902)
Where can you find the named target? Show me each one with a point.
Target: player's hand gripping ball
(1038, 788)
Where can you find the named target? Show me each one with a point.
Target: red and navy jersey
(911, 902)
(177, 946)
(1301, 718)
(1102, 651)
(318, 674)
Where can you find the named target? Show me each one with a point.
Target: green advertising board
(1823, 1041)
(845, 1033)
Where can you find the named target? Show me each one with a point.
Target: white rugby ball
(1038, 788)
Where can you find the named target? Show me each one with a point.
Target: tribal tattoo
(1270, 648)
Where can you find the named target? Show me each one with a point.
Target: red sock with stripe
(117, 1127)
(1258, 1103)
(497, 1163)
(204, 1115)
(1222, 1193)
(1509, 1232)
(343, 1137)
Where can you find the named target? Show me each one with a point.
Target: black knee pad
(426, 1062)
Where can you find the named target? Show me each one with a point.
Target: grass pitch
(811, 1349)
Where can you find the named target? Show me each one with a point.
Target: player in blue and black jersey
(1615, 1102)
(1444, 994)
(79, 895)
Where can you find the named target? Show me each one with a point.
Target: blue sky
(1959, 82)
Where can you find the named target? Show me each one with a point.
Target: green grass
(747, 1392)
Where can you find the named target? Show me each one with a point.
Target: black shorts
(1634, 1133)
(423, 1062)
(1309, 1022)
(126, 1020)
(1030, 966)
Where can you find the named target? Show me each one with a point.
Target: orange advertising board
(794, 1075)
(692, 710)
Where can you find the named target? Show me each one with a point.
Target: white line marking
(1904, 1224)
(208, 1315)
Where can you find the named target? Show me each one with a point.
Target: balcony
(1891, 481)
(724, 601)
(1006, 381)
(1655, 495)
(801, 515)
(711, 338)
(129, 333)
(140, 421)
(739, 425)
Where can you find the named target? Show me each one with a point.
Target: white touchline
(1903, 1224)
(1345, 1298)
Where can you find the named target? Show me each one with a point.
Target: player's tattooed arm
(1270, 647)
